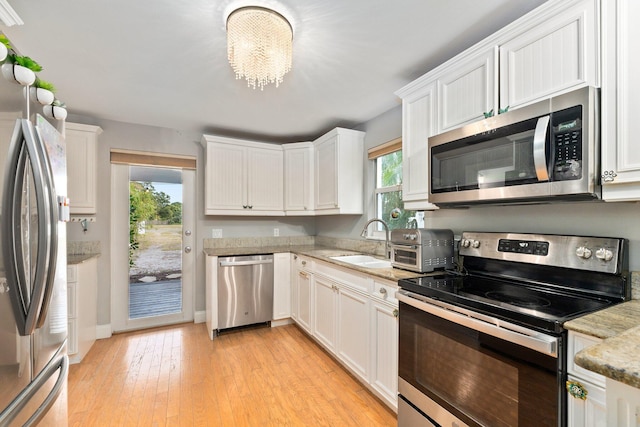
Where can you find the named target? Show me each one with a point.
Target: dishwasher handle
(248, 262)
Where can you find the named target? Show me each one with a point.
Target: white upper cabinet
(620, 107)
(468, 90)
(557, 53)
(82, 142)
(243, 177)
(553, 49)
(418, 124)
(339, 170)
(298, 178)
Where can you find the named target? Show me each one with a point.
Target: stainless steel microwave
(542, 152)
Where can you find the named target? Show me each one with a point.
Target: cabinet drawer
(578, 342)
(385, 292)
(345, 277)
(302, 263)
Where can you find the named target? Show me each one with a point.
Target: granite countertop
(80, 258)
(617, 357)
(321, 253)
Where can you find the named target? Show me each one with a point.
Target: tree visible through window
(388, 194)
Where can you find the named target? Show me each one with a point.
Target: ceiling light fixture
(259, 45)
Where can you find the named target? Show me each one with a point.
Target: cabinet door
(620, 107)
(418, 124)
(225, 177)
(324, 325)
(468, 90)
(353, 331)
(298, 174)
(590, 412)
(265, 179)
(556, 55)
(81, 167)
(326, 172)
(281, 286)
(304, 300)
(384, 375)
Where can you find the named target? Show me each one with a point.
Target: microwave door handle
(539, 148)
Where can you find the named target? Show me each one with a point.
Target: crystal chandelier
(259, 44)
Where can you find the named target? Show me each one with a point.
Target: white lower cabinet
(590, 411)
(301, 292)
(82, 307)
(353, 317)
(281, 286)
(623, 403)
(384, 344)
(353, 331)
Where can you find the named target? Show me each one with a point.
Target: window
(388, 190)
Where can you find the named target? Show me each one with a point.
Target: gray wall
(161, 140)
(587, 218)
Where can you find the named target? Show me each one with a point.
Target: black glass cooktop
(538, 307)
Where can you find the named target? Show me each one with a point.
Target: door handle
(539, 148)
(187, 249)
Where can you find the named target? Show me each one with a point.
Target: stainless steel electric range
(484, 345)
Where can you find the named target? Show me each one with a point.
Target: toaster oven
(421, 250)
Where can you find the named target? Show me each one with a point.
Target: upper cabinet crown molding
(82, 187)
(8, 15)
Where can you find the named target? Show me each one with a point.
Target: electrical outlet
(276, 232)
(216, 233)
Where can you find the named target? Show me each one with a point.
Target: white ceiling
(163, 62)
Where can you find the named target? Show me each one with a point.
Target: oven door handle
(401, 246)
(537, 341)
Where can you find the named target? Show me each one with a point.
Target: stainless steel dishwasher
(245, 290)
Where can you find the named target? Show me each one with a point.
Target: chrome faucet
(387, 248)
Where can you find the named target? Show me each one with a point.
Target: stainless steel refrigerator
(33, 286)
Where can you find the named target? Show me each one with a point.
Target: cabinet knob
(608, 176)
(396, 313)
(304, 262)
(577, 390)
(383, 291)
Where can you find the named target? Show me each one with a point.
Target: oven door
(462, 368)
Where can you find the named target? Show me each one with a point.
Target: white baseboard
(103, 331)
(199, 317)
(281, 322)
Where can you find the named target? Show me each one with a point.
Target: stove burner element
(527, 301)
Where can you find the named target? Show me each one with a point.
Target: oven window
(478, 378)
(405, 257)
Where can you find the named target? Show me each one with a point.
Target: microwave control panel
(567, 142)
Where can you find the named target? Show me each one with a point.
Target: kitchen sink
(366, 261)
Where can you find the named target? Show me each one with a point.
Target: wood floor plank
(176, 376)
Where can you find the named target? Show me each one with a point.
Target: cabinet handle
(609, 176)
(250, 206)
(577, 390)
(244, 206)
(295, 257)
(382, 291)
(303, 274)
(396, 313)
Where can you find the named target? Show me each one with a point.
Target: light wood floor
(257, 377)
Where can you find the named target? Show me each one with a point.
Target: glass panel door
(155, 242)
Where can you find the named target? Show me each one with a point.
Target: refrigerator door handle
(50, 214)
(29, 290)
(60, 364)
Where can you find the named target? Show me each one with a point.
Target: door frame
(120, 258)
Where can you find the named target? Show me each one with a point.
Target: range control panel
(602, 254)
(531, 247)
